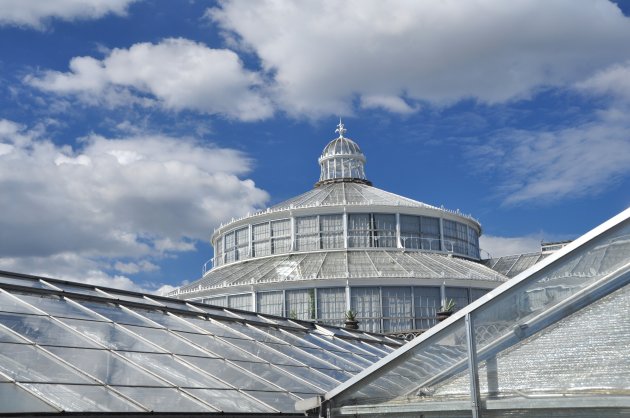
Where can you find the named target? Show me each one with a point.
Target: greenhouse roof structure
(76, 348)
(553, 341)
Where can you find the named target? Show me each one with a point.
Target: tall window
(306, 233)
(366, 303)
(260, 240)
(270, 303)
(331, 305)
(410, 231)
(280, 236)
(371, 230)
(430, 233)
(242, 243)
(243, 301)
(397, 309)
(473, 243)
(459, 295)
(300, 304)
(427, 301)
(331, 227)
(218, 252)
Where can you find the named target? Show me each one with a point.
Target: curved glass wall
(364, 230)
(388, 309)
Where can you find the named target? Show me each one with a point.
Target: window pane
(397, 310)
(270, 303)
(331, 305)
(300, 304)
(427, 302)
(243, 301)
(366, 303)
(459, 295)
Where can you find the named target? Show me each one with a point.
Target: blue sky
(130, 129)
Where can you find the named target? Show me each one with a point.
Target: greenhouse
(552, 342)
(81, 349)
(346, 246)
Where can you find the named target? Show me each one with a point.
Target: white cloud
(76, 211)
(177, 74)
(612, 81)
(494, 246)
(545, 166)
(324, 55)
(36, 13)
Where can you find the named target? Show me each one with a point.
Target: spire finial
(340, 129)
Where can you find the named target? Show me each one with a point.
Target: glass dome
(342, 160)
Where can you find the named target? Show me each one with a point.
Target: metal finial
(340, 129)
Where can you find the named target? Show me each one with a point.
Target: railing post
(475, 397)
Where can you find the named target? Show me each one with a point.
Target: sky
(130, 129)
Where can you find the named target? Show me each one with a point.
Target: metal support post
(475, 397)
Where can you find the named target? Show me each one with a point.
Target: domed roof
(342, 161)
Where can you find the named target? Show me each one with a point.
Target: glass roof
(335, 264)
(76, 348)
(554, 337)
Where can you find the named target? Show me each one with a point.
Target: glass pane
(262, 352)
(300, 304)
(25, 363)
(107, 367)
(321, 380)
(87, 290)
(366, 303)
(240, 301)
(9, 303)
(164, 399)
(26, 282)
(82, 398)
(427, 301)
(230, 373)
(14, 399)
(178, 373)
(270, 303)
(110, 335)
(43, 330)
(230, 400)
(168, 341)
(397, 308)
(116, 313)
(220, 348)
(57, 306)
(331, 305)
(169, 321)
(278, 377)
(282, 401)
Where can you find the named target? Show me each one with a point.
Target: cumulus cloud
(324, 55)
(175, 74)
(77, 210)
(36, 13)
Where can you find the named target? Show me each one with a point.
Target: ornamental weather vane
(340, 129)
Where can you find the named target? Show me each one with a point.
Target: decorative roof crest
(340, 129)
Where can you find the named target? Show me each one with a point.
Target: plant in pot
(446, 310)
(351, 320)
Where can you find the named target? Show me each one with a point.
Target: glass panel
(459, 295)
(26, 282)
(57, 306)
(116, 313)
(127, 297)
(427, 301)
(366, 303)
(307, 233)
(359, 228)
(260, 351)
(9, 303)
(410, 231)
(321, 380)
(397, 309)
(331, 305)
(216, 301)
(25, 363)
(230, 401)
(216, 327)
(87, 290)
(164, 399)
(107, 367)
(270, 303)
(14, 400)
(280, 378)
(332, 231)
(166, 320)
(384, 230)
(43, 330)
(110, 335)
(243, 301)
(167, 340)
(300, 304)
(219, 348)
(230, 373)
(282, 401)
(180, 374)
(331, 358)
(82, 398)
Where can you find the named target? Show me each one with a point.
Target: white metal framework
(553, 341)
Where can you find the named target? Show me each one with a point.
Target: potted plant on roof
(351, 320)
(446, 310)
